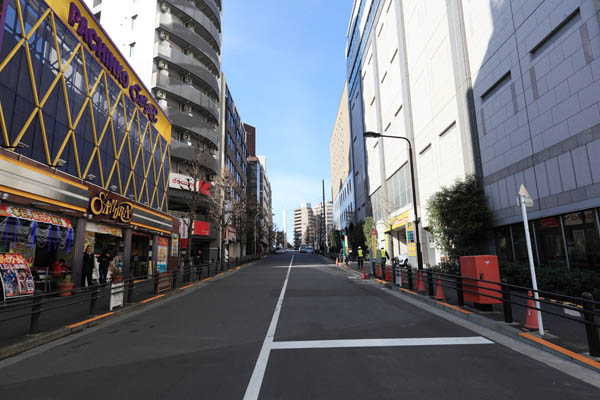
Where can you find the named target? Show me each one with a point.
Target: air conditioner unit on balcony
(163, 35)
(185, 136)
(189, 25)
(187, 79)
(161, 95)
(164, 7)
(162, 64)
(187, 51)
(187, 109)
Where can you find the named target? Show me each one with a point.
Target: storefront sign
(16, 276)
(184, 182)
(201, 228)
(373, 245)
(31, 215)
(575, 218)
(102, 204)
(103, 229)
(161, 257)
(412, 249)
(400, 220)
(116, 295)
(174, 245)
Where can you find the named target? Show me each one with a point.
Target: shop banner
(161, 257)
(412, 249)
(31, 215)
(184, 182)
(16, 276)
(174, 245)
(201, 228)
(116, 295)
(374, 245)
(104, 229)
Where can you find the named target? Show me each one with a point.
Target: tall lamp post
(414, 192)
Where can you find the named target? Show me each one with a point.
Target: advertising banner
(116, 295)
(161, 257)
(104, 229)
(31, 215)
(174, 245)
(374, 245)
(16, 276)
(184, 182)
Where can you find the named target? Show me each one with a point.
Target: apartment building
(304, 226)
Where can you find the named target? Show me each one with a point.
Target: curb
(94, 320)
(503, 328)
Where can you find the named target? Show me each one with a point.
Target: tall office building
(323, 219)
(304, 226)
(175, 46)
(342, 177)
(506, 90)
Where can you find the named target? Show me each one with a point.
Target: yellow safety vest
(383, 254)
(360, 253)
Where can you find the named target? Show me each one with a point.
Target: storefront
(571, 240)
(85, 149)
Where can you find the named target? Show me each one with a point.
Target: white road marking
(258, 374)
(328, 344)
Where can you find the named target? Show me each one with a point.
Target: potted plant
(65, 285)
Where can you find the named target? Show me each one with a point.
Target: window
(549, 240)
(98, 15)
(133, 21)
(131, 49)
(581, 234)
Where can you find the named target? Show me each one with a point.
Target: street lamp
(414, 192)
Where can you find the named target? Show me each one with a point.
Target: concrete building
(342, 180)
(506, 90)
(304, 226)
(233, 157)
(323, 215)
(175, 46)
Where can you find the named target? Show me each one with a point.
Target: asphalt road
(273, 332)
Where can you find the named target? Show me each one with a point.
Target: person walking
(103, 263)
(384, 258)
(88, 267)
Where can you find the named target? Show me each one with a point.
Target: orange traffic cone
(531, 321)
(387, 273)
(421, 285)
(364, 272)
(439, 292)
(337, 261)
(378, 270)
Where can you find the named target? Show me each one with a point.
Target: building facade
(323, 221)
(233, 158)
(304, 226)
(85, 147)
(503, 90)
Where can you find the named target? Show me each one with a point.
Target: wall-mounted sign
(102, 204)
(201, 228)
(32, 215)
(174, 244)
(184, 182)
(163, 251)
(104, 229)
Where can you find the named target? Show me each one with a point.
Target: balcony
(186, 152)
(185, 93)
(189, 64)
(183, 120)
(187, 11)
(190, 38)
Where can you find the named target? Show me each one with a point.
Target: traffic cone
(421, 285)
(387, 273)
(439, 292)
(337, 261)
(531, 321)
(364, 272)
(378, 270)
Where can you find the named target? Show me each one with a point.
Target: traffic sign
(525, 197)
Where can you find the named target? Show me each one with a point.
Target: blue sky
(285, 66)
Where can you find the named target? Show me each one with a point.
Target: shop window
(504, 244)
(583, 243)
(550, 241)
(520, 243)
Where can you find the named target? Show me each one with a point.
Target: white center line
(258, 374)
(328, 344)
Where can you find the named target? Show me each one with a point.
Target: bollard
(94, 300)
(130, 284)
(156, 283)
(459, 291)
(430, 288)
(394, 274)
(36, 311)
(590, 326)
(174, 274)
(409, 278)
(506, 304)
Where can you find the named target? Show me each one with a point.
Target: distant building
(304, 226)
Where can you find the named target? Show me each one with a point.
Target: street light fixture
(414, 192)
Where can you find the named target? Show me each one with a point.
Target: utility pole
(323, 222)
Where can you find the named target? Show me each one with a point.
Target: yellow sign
(412, 250)
(400, 220)
(76, 17)
(102, 205)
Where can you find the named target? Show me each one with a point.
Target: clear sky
(285, 66)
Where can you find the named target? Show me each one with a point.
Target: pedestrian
(384, 258)
(360, 258)
(88, 266)
(103, 263)
(198, 257)
(59, 269)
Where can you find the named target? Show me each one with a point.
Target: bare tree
(226, 204)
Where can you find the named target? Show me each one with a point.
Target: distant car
(309, 249)
(302, 249)
(279, 250)
(402, 259)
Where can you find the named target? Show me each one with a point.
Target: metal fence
(134, 289)
(426, 281)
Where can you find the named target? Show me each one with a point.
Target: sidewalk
(562, 332)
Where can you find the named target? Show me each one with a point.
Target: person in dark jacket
(103, 263)
(88, 266)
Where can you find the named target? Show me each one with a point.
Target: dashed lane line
(328, 344)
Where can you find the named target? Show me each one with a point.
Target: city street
(269, 331)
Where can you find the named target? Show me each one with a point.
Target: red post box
(473, 269)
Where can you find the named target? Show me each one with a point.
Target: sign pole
(523, 199)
